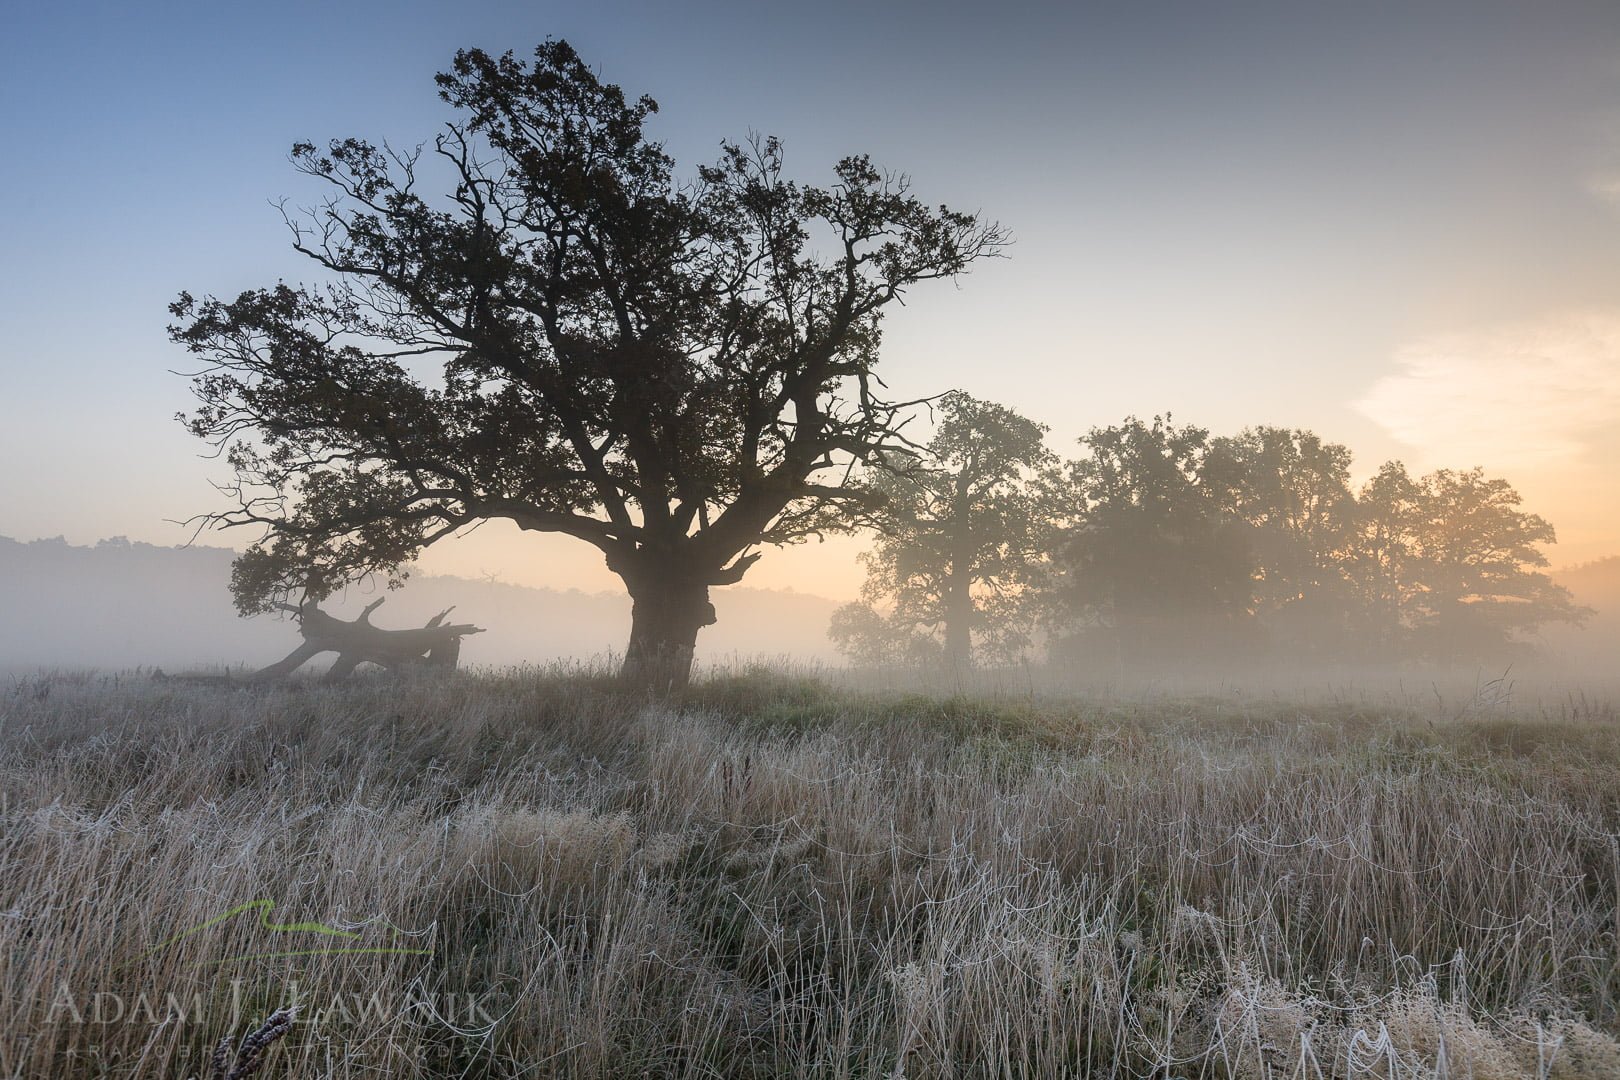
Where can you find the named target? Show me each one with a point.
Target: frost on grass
(550, 878)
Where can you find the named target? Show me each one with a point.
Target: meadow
(533, 874)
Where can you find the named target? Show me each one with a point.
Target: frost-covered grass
(541, 875)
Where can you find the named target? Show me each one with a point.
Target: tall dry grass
(538, 875)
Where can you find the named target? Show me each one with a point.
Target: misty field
(542, 875)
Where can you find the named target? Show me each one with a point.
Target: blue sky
(1398, 224)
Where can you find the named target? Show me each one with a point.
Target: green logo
(264, 907)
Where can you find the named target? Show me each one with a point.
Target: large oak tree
(571, 339)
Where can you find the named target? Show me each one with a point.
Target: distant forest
(1162, 544)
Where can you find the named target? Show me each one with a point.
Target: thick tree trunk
(666, 614)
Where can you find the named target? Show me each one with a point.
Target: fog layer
(119, 605)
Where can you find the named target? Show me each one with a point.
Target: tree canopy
(1144, 551)
(570, 338)
(1450, 565)
(1170, 545)
(1287, 494)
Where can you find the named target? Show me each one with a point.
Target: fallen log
(433, 646)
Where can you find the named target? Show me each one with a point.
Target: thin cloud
(1537, 394)
(1605, 187)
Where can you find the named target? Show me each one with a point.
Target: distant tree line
(1160, 542)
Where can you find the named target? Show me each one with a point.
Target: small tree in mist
(1450, 567)
(570, 339)
(1144, 556)
(959, 530)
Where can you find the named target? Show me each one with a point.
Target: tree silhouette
(959, 531)
(1290, 493)
(1144, 552)
(1380, 561)
(570, 340)
(1170, 542)
(1450, 567)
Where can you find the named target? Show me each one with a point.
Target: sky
(1395, 224)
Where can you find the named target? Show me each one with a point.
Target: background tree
(570, 340)
(1144, 552)
(1290, 494)
(1380, 562)
(1172, 542)
(869, 636)
(1451, 567)
(959, 531)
